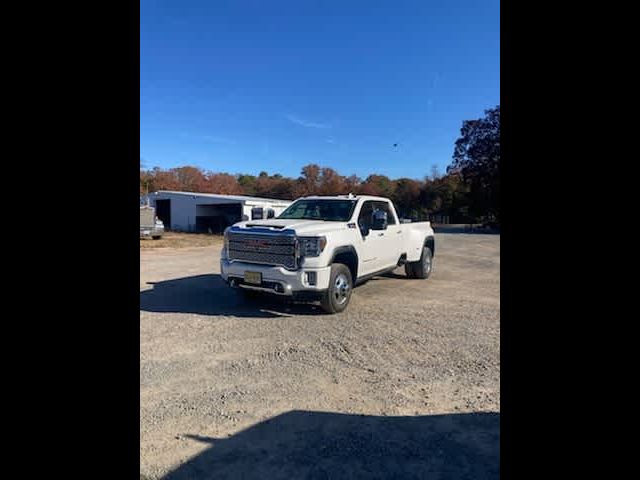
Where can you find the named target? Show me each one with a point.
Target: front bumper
(275, 280)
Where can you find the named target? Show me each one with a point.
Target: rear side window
(368, 207)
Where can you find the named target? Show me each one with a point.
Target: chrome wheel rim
(341, 289)
(427, 263)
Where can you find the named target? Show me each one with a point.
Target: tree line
(468, 191)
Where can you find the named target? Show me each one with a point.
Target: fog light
(311, 278)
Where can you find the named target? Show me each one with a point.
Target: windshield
(327, 210)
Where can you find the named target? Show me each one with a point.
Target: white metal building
(209, 212)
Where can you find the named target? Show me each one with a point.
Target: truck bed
(413, 236)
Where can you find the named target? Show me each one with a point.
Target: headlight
(312, 246)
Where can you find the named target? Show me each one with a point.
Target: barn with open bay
(209, 212)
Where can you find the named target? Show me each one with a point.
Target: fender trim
(343, 249)
(350, 250)
(431, 239)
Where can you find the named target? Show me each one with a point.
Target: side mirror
(364, 230)
(379, 220)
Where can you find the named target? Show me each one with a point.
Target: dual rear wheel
(423, 267)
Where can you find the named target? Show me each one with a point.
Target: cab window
(364, 219)
(366, 213)
(384, 206)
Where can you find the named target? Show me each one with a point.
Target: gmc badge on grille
(258, 244)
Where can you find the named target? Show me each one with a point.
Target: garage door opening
(163, 212)
(215, 218)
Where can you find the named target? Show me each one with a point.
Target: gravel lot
(404, 383)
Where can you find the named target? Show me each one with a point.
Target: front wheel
(423, 267)
(337, 296)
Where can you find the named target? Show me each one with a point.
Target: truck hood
(301, 227)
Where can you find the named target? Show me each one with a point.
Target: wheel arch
(431, 243)
(348, 256)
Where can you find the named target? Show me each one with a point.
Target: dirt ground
(180, 240)
(404, 384)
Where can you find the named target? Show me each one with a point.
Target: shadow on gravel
(317, 445)
(210, 295)
(397, 276)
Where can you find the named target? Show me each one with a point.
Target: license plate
(254, 278)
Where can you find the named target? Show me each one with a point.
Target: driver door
(376, 246)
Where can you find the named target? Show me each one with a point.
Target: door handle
(381, 234)
(399, 232)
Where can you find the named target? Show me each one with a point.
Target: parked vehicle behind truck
(150, 225)
(319, 248)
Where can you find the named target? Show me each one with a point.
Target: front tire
(337, 296)
(422, 268)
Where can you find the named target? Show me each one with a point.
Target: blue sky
(249, 85)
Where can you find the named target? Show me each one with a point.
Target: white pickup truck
(319, 248)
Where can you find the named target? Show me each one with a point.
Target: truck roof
(345, 197)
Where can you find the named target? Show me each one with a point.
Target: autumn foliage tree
(407, 197)
(309, 180)
(417, 199)
(470, 190)
(476, 158)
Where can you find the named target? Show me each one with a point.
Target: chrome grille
(263, 246)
